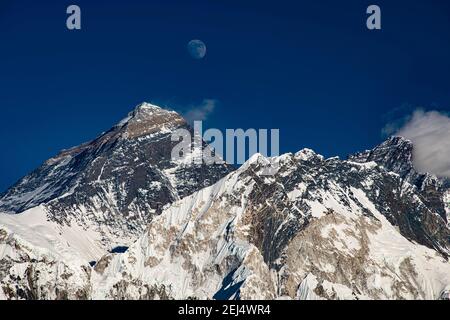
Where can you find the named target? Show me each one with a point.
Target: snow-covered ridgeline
(187, 250)
(108, 189)
(317, 229)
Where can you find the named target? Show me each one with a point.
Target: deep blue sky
(310, 68)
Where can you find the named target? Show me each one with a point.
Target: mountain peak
(395, 154)
(398, 141)
(147, 108)
(144, 110)
(307, 154)
(124, 177)
(147, 118)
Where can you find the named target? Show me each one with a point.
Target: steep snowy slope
(40, 265)
(64, 241)
(370, 227)
(114, 185)
(320, 228)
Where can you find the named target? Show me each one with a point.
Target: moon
(197, 49)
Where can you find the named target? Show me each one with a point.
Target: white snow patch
(389, 247)
(67, 242)
(306, 289)
(307, 154)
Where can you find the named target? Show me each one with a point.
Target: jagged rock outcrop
(396, 155)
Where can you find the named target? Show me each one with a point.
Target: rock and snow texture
(115, 184)
(370, 227)
(38, 265)
(319, 229)
(396, 155)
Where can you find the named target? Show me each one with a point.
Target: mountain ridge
(116, 182)
(368, 227)
(318, 229)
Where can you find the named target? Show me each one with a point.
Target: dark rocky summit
(120, 180)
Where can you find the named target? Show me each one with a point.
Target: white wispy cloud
(429, 131)
(200, 112)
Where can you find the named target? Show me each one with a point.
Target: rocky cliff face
(115, 184)
(396, 155)
(369, 227)
(318, 229)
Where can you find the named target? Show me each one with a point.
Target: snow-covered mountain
(111, 187)
(318, 229)
(369, 227)
(396, 155)
(36, 264)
